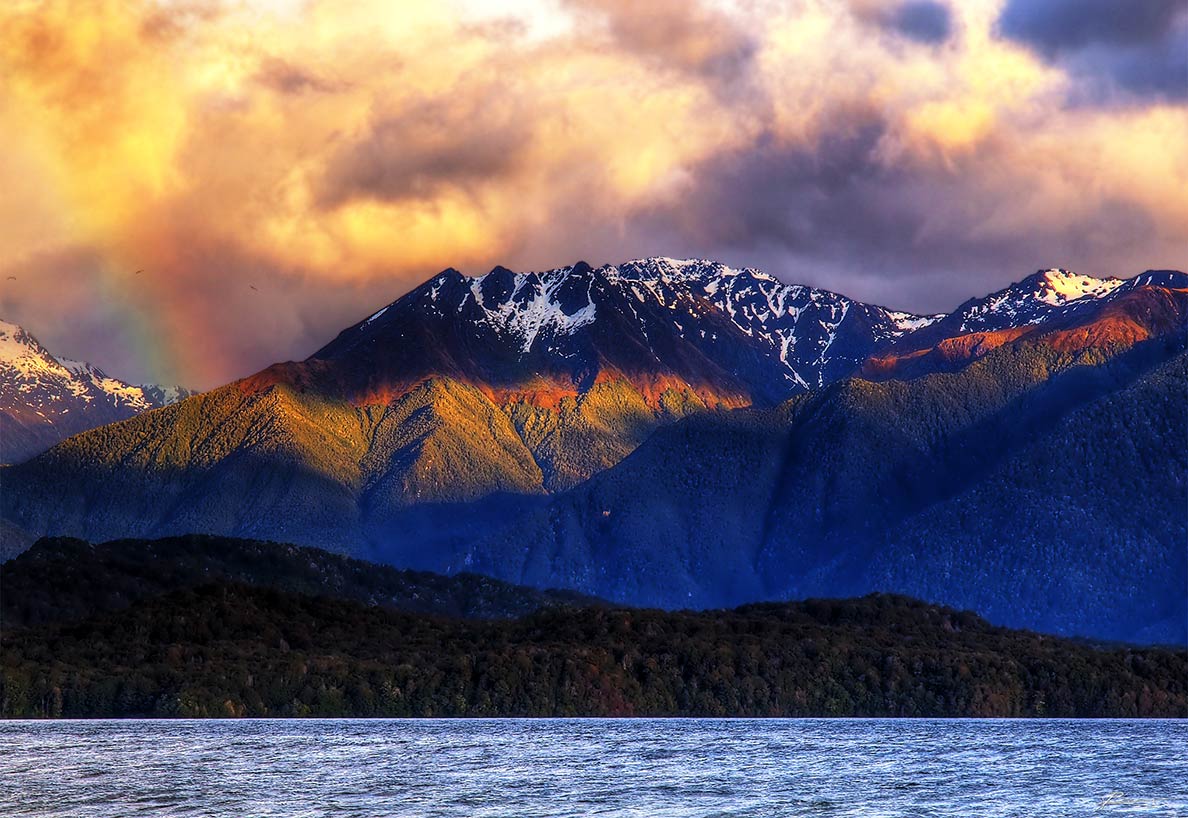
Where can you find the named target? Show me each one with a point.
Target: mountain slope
(1096, 508)
(1057, 501)
(45, 399)
(273, 463)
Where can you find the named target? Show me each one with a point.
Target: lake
(603, 767)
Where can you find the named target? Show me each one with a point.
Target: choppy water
(648, 768)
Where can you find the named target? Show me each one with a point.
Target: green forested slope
(283, 462)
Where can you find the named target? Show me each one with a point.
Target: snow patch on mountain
(1061, 286)
(906, 322)
(376, 315)
(160, 395)
(532, 309)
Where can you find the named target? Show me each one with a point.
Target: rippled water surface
(594, 767)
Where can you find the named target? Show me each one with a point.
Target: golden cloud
(353, 148)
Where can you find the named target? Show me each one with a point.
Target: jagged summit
(740, 333)
(730, 335)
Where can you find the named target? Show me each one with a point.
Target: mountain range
(45, 398)
(684, 434)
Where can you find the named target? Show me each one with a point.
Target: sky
(278, 169)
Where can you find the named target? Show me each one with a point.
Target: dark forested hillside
(65, 579)
(231, 650)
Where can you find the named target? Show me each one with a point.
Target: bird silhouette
(253, 286)
(138, 272)
(12, 278)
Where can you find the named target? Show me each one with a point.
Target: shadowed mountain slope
(1055, 500)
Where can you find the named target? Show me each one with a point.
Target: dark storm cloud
(680, 34)
(417, 151)
(923, 21)
(837, 212)
(805, 197)
(1140, 46)
(1057, 25)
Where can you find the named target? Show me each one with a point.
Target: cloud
(1138, 47)
(683, 34)
(924, 21)
(334, 155)
(785, 192)
(412, 152)
(1058, 25)
(280, 75)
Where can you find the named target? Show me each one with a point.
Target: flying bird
(12, 278)
(253, 286)
(138, 272)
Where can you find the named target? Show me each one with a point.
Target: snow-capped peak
(46, 398)
(693, 318)
(807, 337)
(1059, 287)
(15, 342)
(35, 379)
(23, 357)
(1037, 298)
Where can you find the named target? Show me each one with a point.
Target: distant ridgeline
(46, 398)
(681, 434)
(213, 627)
